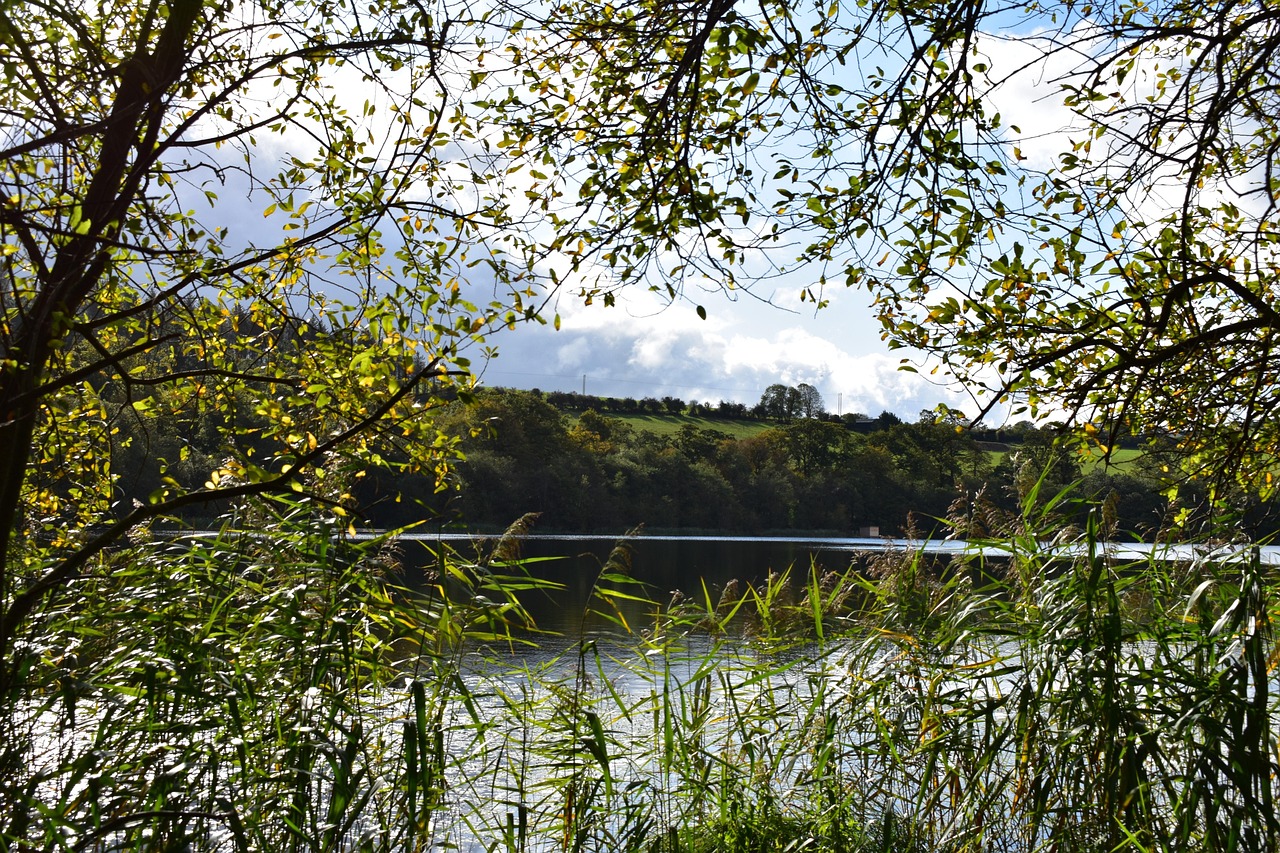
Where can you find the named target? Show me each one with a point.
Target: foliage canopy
(1112, 258)
(233, 208)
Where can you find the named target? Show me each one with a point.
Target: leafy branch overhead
(1072, 206)
(282, 211)
(236, 214)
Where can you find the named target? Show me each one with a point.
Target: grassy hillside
(1121, 460)
(671, 424)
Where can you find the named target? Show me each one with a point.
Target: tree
(887, 419)
(786, 403)
(597, 433)
(773, 402)
(199, 217)
(673, 405)
(1121, 270)
(811, 405)
(238, 257)
(522, 456)
(813, 444)
(1041, 457)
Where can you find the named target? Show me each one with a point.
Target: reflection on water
(700, 567)
(696, 568)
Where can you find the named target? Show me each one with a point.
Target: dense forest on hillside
(563, 455)
(600, 464)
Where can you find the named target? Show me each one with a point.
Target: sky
(642, 347)
(646, 347)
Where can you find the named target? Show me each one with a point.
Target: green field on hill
(1120, 461)
(672, 424)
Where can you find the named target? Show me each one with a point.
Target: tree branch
(24, 602)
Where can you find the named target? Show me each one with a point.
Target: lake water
(665, 564)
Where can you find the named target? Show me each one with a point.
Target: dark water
(700, 567)
(696, 567)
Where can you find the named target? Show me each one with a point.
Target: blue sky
(643, 348)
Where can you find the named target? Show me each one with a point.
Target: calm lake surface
(663, 564)
(666, 564)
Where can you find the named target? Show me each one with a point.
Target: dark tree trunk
(128, 149)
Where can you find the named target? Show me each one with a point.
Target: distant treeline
(564, 456)
(773, 406)
(798, 468)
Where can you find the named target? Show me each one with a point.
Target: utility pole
(584, 384)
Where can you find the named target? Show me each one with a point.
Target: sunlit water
(516, 729)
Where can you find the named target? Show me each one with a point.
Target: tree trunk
(127, 150)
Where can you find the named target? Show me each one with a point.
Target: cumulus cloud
(642, 348)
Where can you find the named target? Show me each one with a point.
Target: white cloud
(641, 349)
(1027, 93)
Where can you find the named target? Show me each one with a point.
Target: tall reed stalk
(235, 692)
(244, 692)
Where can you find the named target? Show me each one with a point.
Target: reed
(280, 692)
